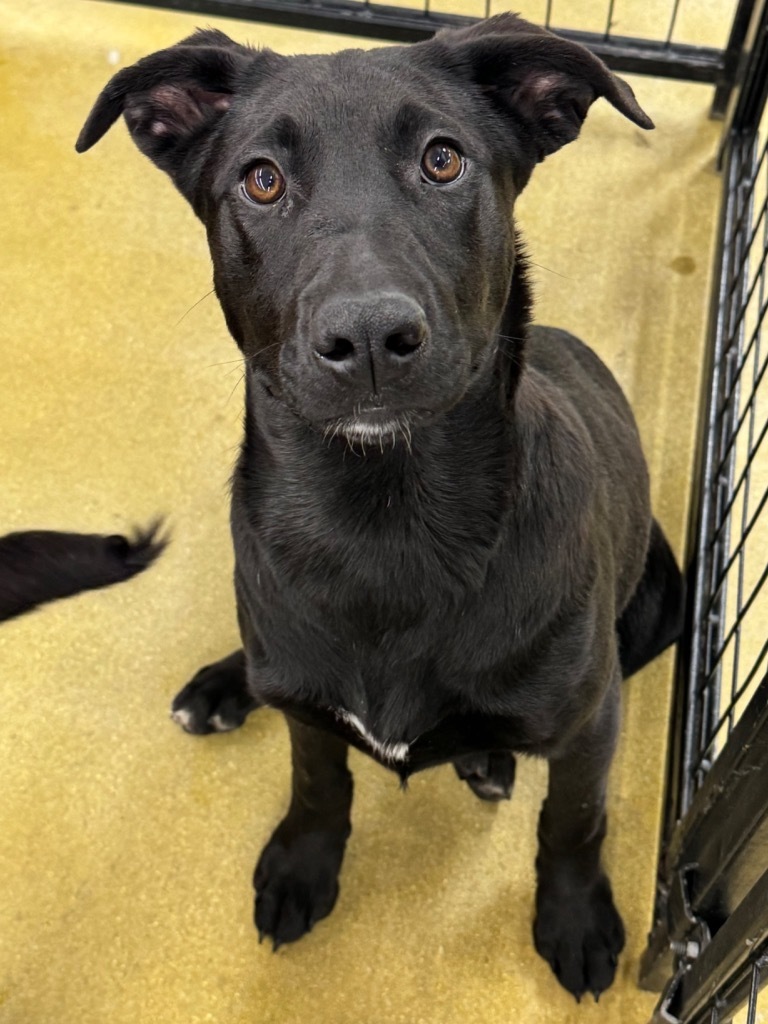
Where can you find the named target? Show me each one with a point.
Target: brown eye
(442, 163)
(264, 183)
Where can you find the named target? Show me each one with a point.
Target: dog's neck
(510, 352)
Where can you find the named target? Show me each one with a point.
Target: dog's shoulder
(552, 445)
(583, 399)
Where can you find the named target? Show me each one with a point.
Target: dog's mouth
(373, 427)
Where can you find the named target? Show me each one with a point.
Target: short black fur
(37, 566)
(441, 517)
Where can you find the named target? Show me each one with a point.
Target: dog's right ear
(172, 99)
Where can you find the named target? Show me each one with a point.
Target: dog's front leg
(577, 928)
(217, 699)
(296, 879)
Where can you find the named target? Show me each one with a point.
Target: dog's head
(359, 205)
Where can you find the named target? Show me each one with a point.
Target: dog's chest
(393, 752)
(411, 716)
(419, 697)
(451, 737)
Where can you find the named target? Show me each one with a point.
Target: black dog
(37, 566)
(445, 550)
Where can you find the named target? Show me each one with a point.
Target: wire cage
(660, 37)
(729, 655)
(710, 933)
(708, 947)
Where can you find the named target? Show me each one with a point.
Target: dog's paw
(216, 700)
(296, 884)
(579, 933)
(490, 776)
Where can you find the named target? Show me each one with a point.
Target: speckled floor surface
(126, 847)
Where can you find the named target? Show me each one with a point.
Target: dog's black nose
(372, 337)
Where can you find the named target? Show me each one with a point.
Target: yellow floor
(126, 847)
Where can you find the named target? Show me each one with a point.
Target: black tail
(653, 619)
(43, 565)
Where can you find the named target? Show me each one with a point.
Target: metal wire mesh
(731, 619)
(660, 19)
(753, 995)
(749, 1015)
(666, 21)
(679, 39)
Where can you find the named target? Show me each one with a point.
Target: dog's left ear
(546, 83)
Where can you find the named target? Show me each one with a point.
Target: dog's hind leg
(216, 699)
(653, 619)
(490, 775)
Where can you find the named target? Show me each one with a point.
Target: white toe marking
(182, 717)
(389, 751)
(221, 724)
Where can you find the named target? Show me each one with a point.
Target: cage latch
(685, 950)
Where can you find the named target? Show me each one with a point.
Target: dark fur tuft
(37, 566)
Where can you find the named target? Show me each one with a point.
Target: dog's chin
(372, 429)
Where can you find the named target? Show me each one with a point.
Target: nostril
(336, 349)
(403, 343)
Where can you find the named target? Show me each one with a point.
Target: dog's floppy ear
(171, 98)
(546, 83)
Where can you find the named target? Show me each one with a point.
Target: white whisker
(358, 430)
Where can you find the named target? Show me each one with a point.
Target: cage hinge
(685, 950)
